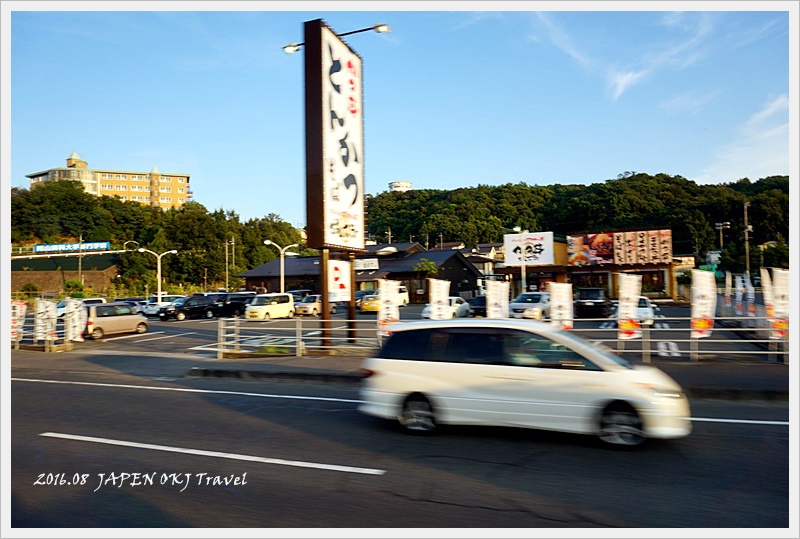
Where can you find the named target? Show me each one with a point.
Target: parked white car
(154, 306)
(532, 305)
(645, 311)
(268, 306)
(459, 308)
(518, 373)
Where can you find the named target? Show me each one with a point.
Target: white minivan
(268, 306)
(518, 373)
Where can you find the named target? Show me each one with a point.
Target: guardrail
(731, 338)
(298, 336)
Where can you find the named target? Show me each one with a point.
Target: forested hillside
(61, 212)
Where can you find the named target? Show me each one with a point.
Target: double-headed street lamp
(158, 264)
(282, 251)
(292, 48)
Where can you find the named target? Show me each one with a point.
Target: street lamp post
(720, 227)
(747, 230)
(158, 265)
(282, 251)
(519, 230)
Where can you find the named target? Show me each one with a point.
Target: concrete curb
(355, 378)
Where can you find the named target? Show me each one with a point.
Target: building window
(123, 198)
(180, 189)
(181, 180)
(122, 176)
(166, 179)
(147, 199)
(168, 200)
(107, 187)
(122, 188)
(166, 189)
(106, 176)
(137, 177)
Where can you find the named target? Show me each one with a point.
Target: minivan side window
(411, 345)
(124, 309)
(105, 311)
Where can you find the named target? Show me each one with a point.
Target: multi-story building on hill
(154, 188)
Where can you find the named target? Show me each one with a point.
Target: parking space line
(215, 454)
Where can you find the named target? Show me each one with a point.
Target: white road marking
(187, 390)
(307, 398)
(668, 348)
(131, 336)
(216, 454)
(168, 336)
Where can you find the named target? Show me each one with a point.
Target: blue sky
(506, 92)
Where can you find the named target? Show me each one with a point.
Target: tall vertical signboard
(334, 141)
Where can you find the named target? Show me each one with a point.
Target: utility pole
(390, 235)
(720, 227)
(226, 265)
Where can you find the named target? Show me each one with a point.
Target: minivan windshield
(590, 293)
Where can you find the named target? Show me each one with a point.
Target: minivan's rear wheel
(291, 314)
(180, 315)
(266, 316)
(141, 328)
(97, 333)
(620, 425)
(417, 415)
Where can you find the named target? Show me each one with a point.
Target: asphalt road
(304, 457)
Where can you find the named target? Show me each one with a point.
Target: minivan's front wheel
(209, 314)
(141, 328)
(180, 315)
(417, 415)
(620, 425)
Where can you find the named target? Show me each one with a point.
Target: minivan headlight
(660, 391)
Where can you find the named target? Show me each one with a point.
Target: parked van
(116, 317)
(267, 306)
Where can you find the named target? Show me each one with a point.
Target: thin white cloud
(675, 55)
(688, 103)
(545, 29)
(760, 149)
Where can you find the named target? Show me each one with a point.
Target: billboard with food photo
(590, 249)
(621, 248)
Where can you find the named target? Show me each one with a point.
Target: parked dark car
(477, 307)
(234, 303)
(592, 303)
(190, 307)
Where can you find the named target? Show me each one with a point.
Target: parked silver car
(110, 318)
(532, 305)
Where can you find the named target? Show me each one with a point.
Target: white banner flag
(630, 288)
(18, 310)
(497, 299)
(45, 320)
(704, 303)
(440, 299)
(561, 304)
(780, 298)
(388, 296)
